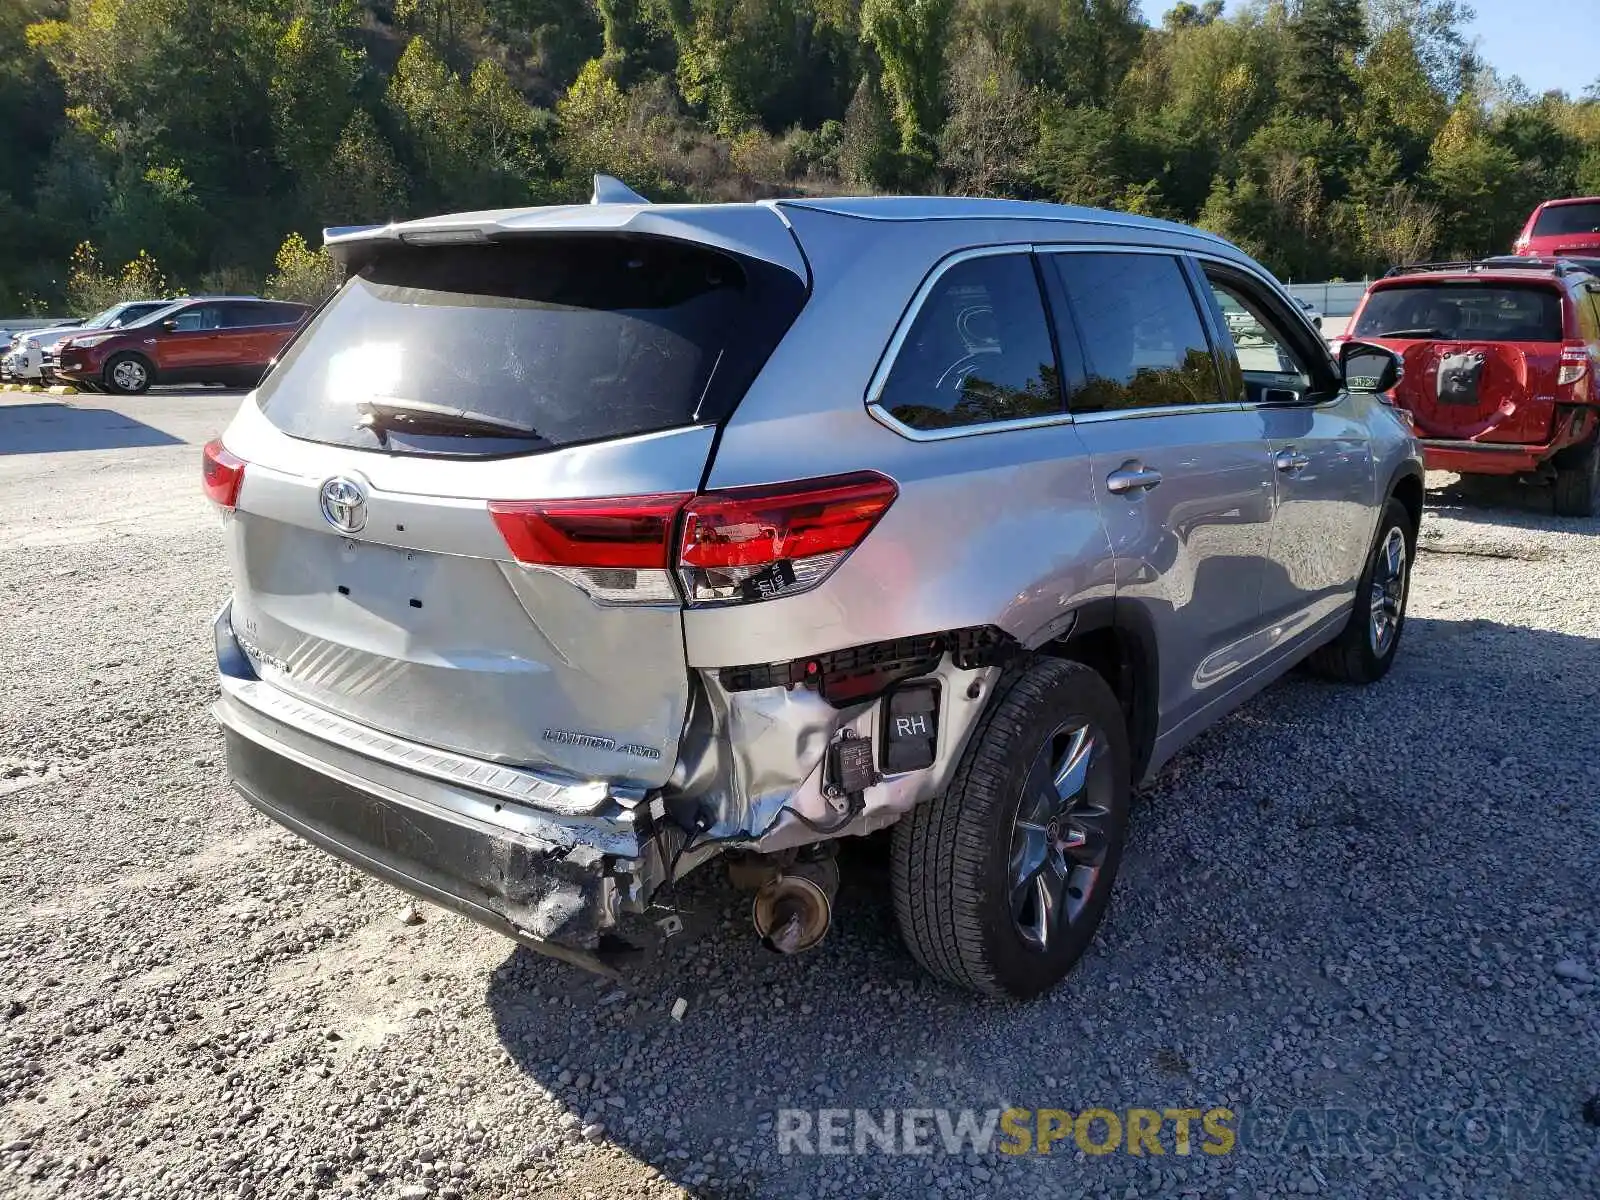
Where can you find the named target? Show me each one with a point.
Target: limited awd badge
(344, 504)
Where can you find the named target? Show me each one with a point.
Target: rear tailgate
(1482, 358)
(372, 577)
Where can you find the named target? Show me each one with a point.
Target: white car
(1311, 311)
(26, 359)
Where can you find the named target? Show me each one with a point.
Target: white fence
(1333, 299)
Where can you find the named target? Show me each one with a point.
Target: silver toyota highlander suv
(574, 547)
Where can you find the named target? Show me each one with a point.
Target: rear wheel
(1000, 883)
(1578, 481)
(1364, 651)
(128, 375)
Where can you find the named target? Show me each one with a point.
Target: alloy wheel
(1061, 834)
(1388, 595)
(128, 374)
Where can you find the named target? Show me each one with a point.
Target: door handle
(1135, 477)
(1290, 460)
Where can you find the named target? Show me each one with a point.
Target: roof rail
(1504, 262)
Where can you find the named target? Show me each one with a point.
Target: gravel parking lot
(1379, 902)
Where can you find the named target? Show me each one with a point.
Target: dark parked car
(229, 340)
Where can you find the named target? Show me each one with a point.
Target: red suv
(1502, 367)
(230, 340)
(1562, 227)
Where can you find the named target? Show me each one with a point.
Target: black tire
(1353, 656)
(952, 859)
(1578, 481)
(128, 382)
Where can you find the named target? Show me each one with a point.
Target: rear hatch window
(518, 346)
(1495, 312)
(1559, 219)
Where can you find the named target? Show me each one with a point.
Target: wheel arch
(1407, 487)
(1118, 642)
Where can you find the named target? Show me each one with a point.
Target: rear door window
(978, 350)
(1144, 343)
(1558, 219)
(197, 317)
(524, 345)
(1466, 311)
(1261, 355)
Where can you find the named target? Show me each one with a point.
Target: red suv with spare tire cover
(229, 340)
(1502, 367)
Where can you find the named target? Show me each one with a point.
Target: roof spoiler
(333, 232)
(608, 189)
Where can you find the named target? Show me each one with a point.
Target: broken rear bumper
(558, 882)
(1470, 457)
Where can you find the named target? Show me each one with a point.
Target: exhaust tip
(791, 913)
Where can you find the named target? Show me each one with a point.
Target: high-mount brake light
(221, 474)
(1574, 363)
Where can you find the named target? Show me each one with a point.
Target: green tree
(302, 274)
(909, 37)
(313, 82)
(1327, 37)
(362, 181)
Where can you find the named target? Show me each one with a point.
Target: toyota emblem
(344, 504)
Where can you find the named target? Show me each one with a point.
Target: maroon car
(230, 340)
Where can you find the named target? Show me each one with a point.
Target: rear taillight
(1574, 363)
(622, 534)
(618, 550)
(221, 474)
(750, 543)
(740, 545)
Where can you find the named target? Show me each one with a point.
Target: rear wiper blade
(419, 416)
(1411, 333)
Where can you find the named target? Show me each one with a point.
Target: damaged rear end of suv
(574, 548)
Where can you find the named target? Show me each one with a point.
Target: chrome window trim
(902, 331)
(891, 354)
(1165, 410)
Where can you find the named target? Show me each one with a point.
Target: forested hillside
(1329, 137)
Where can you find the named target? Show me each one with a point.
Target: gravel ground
(1378, 901)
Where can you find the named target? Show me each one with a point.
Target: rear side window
(524, 345)
(283, 314)
(198, 316)
(1144, 345)
(1464, 311)
(1558, 219)
(240, 315)
(978, 350)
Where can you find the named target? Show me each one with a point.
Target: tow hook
(793, 906)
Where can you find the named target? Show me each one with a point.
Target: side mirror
(1368, 368)
(170, 325)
